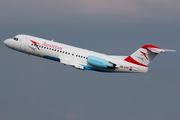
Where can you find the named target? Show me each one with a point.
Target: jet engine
(99, 62)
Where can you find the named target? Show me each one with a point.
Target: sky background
(33, 88)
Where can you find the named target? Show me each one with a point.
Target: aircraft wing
(70, 62)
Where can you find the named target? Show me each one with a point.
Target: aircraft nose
(8, 42)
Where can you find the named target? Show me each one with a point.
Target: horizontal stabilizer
(159, 50)
(167, 50)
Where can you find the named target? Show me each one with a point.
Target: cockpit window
(15, 38)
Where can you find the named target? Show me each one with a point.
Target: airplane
(84, 59)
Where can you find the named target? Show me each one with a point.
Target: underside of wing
(67, 61)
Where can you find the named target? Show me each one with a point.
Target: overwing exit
(84, 59)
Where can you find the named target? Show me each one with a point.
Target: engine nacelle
(99, 62)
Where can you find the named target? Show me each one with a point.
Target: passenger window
(65, 52)
(49, 48)
(72, 54)
(44, 47)
(76, 55)
(39, 46)
(68, 53)
(57, 50)
(60, 51)
(32, 44)
(84, 57)
(52, 49)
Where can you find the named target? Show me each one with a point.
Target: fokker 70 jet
(85, 59)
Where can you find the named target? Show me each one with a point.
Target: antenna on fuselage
(52, 40)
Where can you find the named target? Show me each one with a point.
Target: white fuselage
(69, 55)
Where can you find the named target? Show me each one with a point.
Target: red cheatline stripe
(131, 60)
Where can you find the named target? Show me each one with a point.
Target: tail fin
(144, 55)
